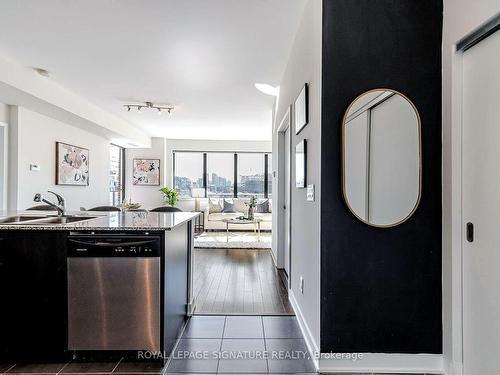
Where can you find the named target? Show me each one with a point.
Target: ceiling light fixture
(149, 105)
(267, 89)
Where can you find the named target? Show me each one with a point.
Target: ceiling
(200, 56)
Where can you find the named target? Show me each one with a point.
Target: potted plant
(251, 206)
(171, 196)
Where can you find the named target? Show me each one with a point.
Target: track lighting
(149, 105)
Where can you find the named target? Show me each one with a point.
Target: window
(220, 174)
(251, 175)
(213, 174)
(116, 176)
(188, 174)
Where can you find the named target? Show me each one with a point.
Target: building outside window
(188, 174)
(220, 174)
(251, 175)
(213, 174)
(116, 177)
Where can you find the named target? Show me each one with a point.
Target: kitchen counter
(57, 275)
(127, 221)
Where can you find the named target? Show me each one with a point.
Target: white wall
(460, 18)
(4, 120)
(32, 139)
(148, 196)
(4, 113)
(304, 65)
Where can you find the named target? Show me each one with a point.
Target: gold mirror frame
(343, 177)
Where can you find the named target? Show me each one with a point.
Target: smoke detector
(41, 71)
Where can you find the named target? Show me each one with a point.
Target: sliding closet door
(394, 179)
(356, 164)
(481, 207)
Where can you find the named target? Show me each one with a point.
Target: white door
(481, 207)
(287, 203)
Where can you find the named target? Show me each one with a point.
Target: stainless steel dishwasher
(114, 292)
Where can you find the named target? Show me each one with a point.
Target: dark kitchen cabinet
(32, 295)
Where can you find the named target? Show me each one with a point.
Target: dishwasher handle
(111, 244)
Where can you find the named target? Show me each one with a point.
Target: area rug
(237, 240)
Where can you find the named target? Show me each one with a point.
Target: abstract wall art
(72, 165)
(146, 172)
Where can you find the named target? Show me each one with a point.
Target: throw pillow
(240, 206)
(228, 206)
(262, 207)
(215, 206)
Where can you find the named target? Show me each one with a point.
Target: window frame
(121, 161)
(267, 167)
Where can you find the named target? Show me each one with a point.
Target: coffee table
(256, 225)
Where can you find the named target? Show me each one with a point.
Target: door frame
(282, 225)
(453, 222)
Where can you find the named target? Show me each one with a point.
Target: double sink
(43, 220)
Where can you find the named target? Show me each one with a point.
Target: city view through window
(220, 169)
(251, 175)
(115, 175)
(220, 174)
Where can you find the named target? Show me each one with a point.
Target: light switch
(310, 193)
(34, 167)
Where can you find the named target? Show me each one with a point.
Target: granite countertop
(103, 220)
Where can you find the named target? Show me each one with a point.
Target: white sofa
(213, 220)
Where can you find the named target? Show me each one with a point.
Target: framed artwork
(146, 172)
(72, 165)
(301, 107)
(301, 164)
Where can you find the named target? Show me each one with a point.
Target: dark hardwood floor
(238, 281)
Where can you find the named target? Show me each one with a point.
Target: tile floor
(242, 344)
(226, 345)
(75, 367)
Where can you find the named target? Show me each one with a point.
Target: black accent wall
(381, 288)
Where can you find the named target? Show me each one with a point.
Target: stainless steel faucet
(60, 206)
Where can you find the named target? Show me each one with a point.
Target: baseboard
(312, 346)
(370, 362)
(274, 258)
(385, 363)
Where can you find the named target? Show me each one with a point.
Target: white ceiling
(201, 56)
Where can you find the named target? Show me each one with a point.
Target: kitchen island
(93, 283)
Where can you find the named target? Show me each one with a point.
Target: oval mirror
(381, 152)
